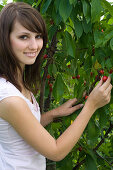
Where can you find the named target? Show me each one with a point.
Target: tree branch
(50, 51)
(79, 164)
(104, 159)
(105, 136)
(100, 143)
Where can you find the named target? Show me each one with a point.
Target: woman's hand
(67, 108)
(100, 95)
(64, 110)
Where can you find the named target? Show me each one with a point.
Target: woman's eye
(38, 36)
(24, 37)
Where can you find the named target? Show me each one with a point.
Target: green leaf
(88, 63)
(1, 6)
(100, 55)
(36, 4)
(110, 21)
(65, 164)
(98, 37)
(108, 63)
(102, 38)
(58, 88)
(54, 69)
(65, 9)
(86, 10)
(56, 126)
(50, 69)
(86, 27)
(111, 43)
(78, 28)
(108, 36)
(45, 6)
(73, 2)
(69, 44)
(107, 6)
(80, 92)
(102, 118)
(93, 132)
(90, 163)
(52, 31)
(95, 10)
(56, 17)
(56, 4)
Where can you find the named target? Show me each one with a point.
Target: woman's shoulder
(5, 84)
(2, 80)
(7, 89)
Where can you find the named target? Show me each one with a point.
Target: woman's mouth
(30, 54)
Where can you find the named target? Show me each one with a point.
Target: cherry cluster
(50, 84)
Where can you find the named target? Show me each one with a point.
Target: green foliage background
(80, 42)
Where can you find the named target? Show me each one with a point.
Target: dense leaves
(81, 36)
(85, 46)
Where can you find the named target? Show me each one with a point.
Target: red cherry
(50, 85)
(93, 50)
(45, 56)
(102, 30)
(51, 22)
(73, 77)
(80, 148)
(101, 71)
(105, 78)
(69, 65)
(50, 89)
(84, 83)
(99, 77)
(78, 76)
(91, 73)
(48, 76)
(111, 71)
(86, 97)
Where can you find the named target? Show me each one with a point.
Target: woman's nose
(33, 44)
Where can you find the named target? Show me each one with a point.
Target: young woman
(24, 142)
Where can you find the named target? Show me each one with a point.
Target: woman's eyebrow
(27, 33)
(24, 33)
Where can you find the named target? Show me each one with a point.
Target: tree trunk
(51, 165)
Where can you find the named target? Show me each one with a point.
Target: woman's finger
(72, 101)
(106, 84)
(74, 108)
(99, 84)
(108, 90)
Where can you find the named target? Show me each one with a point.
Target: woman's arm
(64, 110)
(37, 136)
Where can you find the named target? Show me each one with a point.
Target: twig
(91, 88)
(79, 164)
(105, 136)
(96, 80)
(100, 143)
(104, 159)
(50, 51)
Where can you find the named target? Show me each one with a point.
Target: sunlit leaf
(95, 10)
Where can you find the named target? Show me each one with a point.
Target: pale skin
(33, 131)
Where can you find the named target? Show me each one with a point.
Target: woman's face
(25, 44)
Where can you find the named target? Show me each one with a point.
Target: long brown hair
(31, 19)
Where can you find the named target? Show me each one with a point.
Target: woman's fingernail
(81, 105)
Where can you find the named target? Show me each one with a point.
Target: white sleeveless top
(15, 153)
